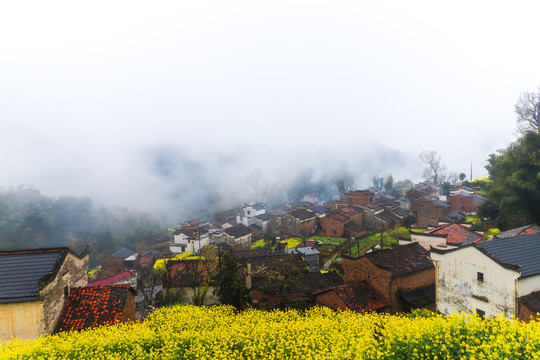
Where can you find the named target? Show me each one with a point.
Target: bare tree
(434, 170)
(527, 111)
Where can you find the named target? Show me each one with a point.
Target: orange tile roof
(93, 306)
(456, 234)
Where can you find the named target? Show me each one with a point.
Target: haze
(161, 105)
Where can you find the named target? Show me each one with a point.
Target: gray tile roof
(521, 251)
(21, 272)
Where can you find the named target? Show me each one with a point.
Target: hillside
(188, 332)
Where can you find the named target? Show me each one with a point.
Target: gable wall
(72, 273)
(457, 287)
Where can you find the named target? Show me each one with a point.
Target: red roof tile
(93, 306)
(109, 280)
(456, 234)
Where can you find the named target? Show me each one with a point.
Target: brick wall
(331, 227)
(461, 203)
(525, 313)
(383, 282)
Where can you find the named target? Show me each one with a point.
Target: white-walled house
(249, 212)
(187, 241)
(487, 277)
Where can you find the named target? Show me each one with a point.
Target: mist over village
(269, 180)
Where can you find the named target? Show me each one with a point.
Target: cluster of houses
(447, 267)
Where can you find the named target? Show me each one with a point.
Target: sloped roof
(263, 217)
(523, 230)
(93, 306)
(360, 296)
(237, 231)
(455, 215)
(401, 260)
(302, 214)
(457, 234)
(24, 272)
(318, 209)
(109, 280)
(154, 239)
(123, 253)
(521, 251)
(338, 216)
(400, 212)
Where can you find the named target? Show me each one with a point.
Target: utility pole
(471, 171)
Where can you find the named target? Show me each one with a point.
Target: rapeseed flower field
(190, 332)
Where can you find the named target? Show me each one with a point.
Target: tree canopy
(515, 182)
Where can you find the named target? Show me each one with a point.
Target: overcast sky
(91, 91)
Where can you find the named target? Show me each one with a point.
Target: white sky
(87, 87)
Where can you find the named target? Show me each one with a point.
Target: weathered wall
(73, 273)
(528, 285)
(23, 320)
(129, 313)
(331, 227)
(459, 290)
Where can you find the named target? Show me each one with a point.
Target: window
(66, 291)
(350, 199)
(480, 277)
(481, 313)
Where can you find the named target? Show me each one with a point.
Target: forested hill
(29, 219)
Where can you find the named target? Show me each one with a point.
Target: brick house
(333, 224)
(357, 296)
(357, 198)
(430, 213)
(395, 273)
(123, 277)
(33, 286)
(89, 307)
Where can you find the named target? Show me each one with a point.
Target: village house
(356, 198)
(298, 222)
(249, 212)
(192, 276)
(491, 277)
(404, 275)
(88, 307)
(226, 217)
(428, 213)
(465, 201)
(357, 296)
(189, 240)
(445, 236)
(151, 242)
(333, 224)
(309, 254)
(33, 287)
(237, 237)
(123, 277)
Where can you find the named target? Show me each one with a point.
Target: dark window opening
(481, 313)
(66, 291)
(480, 276)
